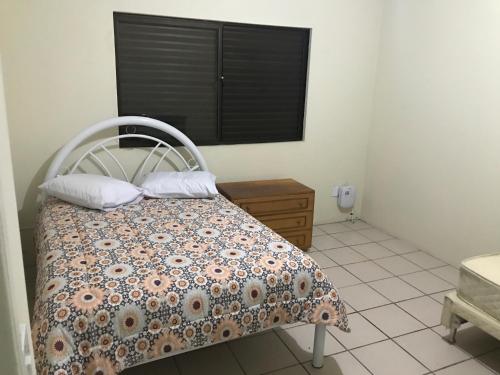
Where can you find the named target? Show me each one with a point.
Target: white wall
(60, 77)
(14, 307)
(433, 165)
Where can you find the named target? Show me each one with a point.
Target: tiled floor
(393, 293)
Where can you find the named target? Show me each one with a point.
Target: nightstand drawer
(286, 206)
(295, 221)
(303, 202)
(301, 239)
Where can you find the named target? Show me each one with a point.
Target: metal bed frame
(196, 162)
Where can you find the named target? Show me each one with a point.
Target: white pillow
(196, 184)
(92, 191)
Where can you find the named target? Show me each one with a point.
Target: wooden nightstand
(286, 206)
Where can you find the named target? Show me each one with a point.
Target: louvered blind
(219, 83)
(168, 69)
(264, 83)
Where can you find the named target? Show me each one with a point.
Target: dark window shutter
(265, 72)
(217, 82)
(168, 69)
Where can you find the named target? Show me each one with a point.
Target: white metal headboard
(66, 150)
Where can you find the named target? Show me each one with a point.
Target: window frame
(219, 26)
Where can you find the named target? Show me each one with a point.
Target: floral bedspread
(115, 289)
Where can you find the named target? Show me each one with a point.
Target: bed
(477, 298)
(149, 280)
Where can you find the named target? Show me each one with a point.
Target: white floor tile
(160, 367)
(291, 325)
(425, 309)
(367, 271)
(348, 308)
(326, 242)
(362, 333)
(395, 289)
(439, 297)
(357, 225)
(398, 265)
(447, 273)
(375, 234)
(373, 250)
(344, 255)
(300, 340)
(471, 339)
(202, 361)
(317, 231)
(362, 297)
(322, 260)
(426, 282)
(392, 320)
(431, 350)
(334, 228)
(491, 360)
(470, 367)
(338, 364)
(351, 238)
(424, 260)
(262, 353)
(340, 277)
(294, 370)
(399, 246)
(386, 358)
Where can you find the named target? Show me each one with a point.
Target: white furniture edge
(66, 150)
(457, 311)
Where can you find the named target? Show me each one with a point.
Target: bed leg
(451, 338)
(454, 325)
(319, 345)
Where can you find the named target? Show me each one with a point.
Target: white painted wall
(60, 77)
(433, 165)
(14, 306)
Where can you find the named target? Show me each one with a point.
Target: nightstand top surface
(262, 188)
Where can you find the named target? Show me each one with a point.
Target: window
(217, 82)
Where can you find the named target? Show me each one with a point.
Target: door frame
(17, 350)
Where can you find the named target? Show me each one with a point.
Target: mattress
(116, 289)
(479, 283)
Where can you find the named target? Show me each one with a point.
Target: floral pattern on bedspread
(118, 288)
